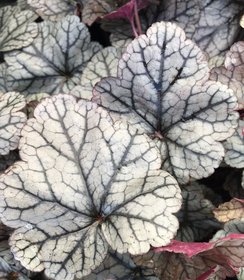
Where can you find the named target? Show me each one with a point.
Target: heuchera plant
(121, 139)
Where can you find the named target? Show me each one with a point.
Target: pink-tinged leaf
(194, 248)
(127, 10)
(219, 259)
(187, 248)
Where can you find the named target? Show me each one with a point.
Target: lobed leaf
(11, 121)
(232, 73)
(84, 183)
(55, 60)
(53, 10)
(162, 88)
(94, 9)
(15, 28)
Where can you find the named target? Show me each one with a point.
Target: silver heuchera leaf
(232, 73)
(234, 146)
(53, 10)
(3, 79)
(94, 9)
(8, 265)
(85, 182)
(213, 25)
(15, 28)
(195, 209)
(11, 120)
(218, 26)
(122, 267)
(55, 60)
(103, 64)
(162, 88)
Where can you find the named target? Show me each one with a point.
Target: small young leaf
(230, 210)
(85, 182)
(11, 120)
(15, 28)
(55, 60)
(162, 87)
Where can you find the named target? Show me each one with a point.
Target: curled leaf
(162, 88)
(181, 260)
(230, 210)
(84, 183)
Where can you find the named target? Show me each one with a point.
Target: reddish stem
(133, 27)
(137, 19)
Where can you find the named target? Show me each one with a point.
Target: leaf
(71, 153)
(233, 226)
(55, 71)
(162, 88)
(127, 11)
(3, 80)
(11, 121)
(230, 210)
(103, 64)
(234, 146)
(23, 4)
(94, 9)
(180, 260)
(196, 215)
(232, 73)
(122, 267)
(15, 28)
(213, 25)
(218, 26)
(9, 266)
(233, 183)
(53, 10)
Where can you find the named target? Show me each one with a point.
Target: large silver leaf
(11, 120)
(15, 28)
(55, 60)
(85, 182)
(162, 88)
